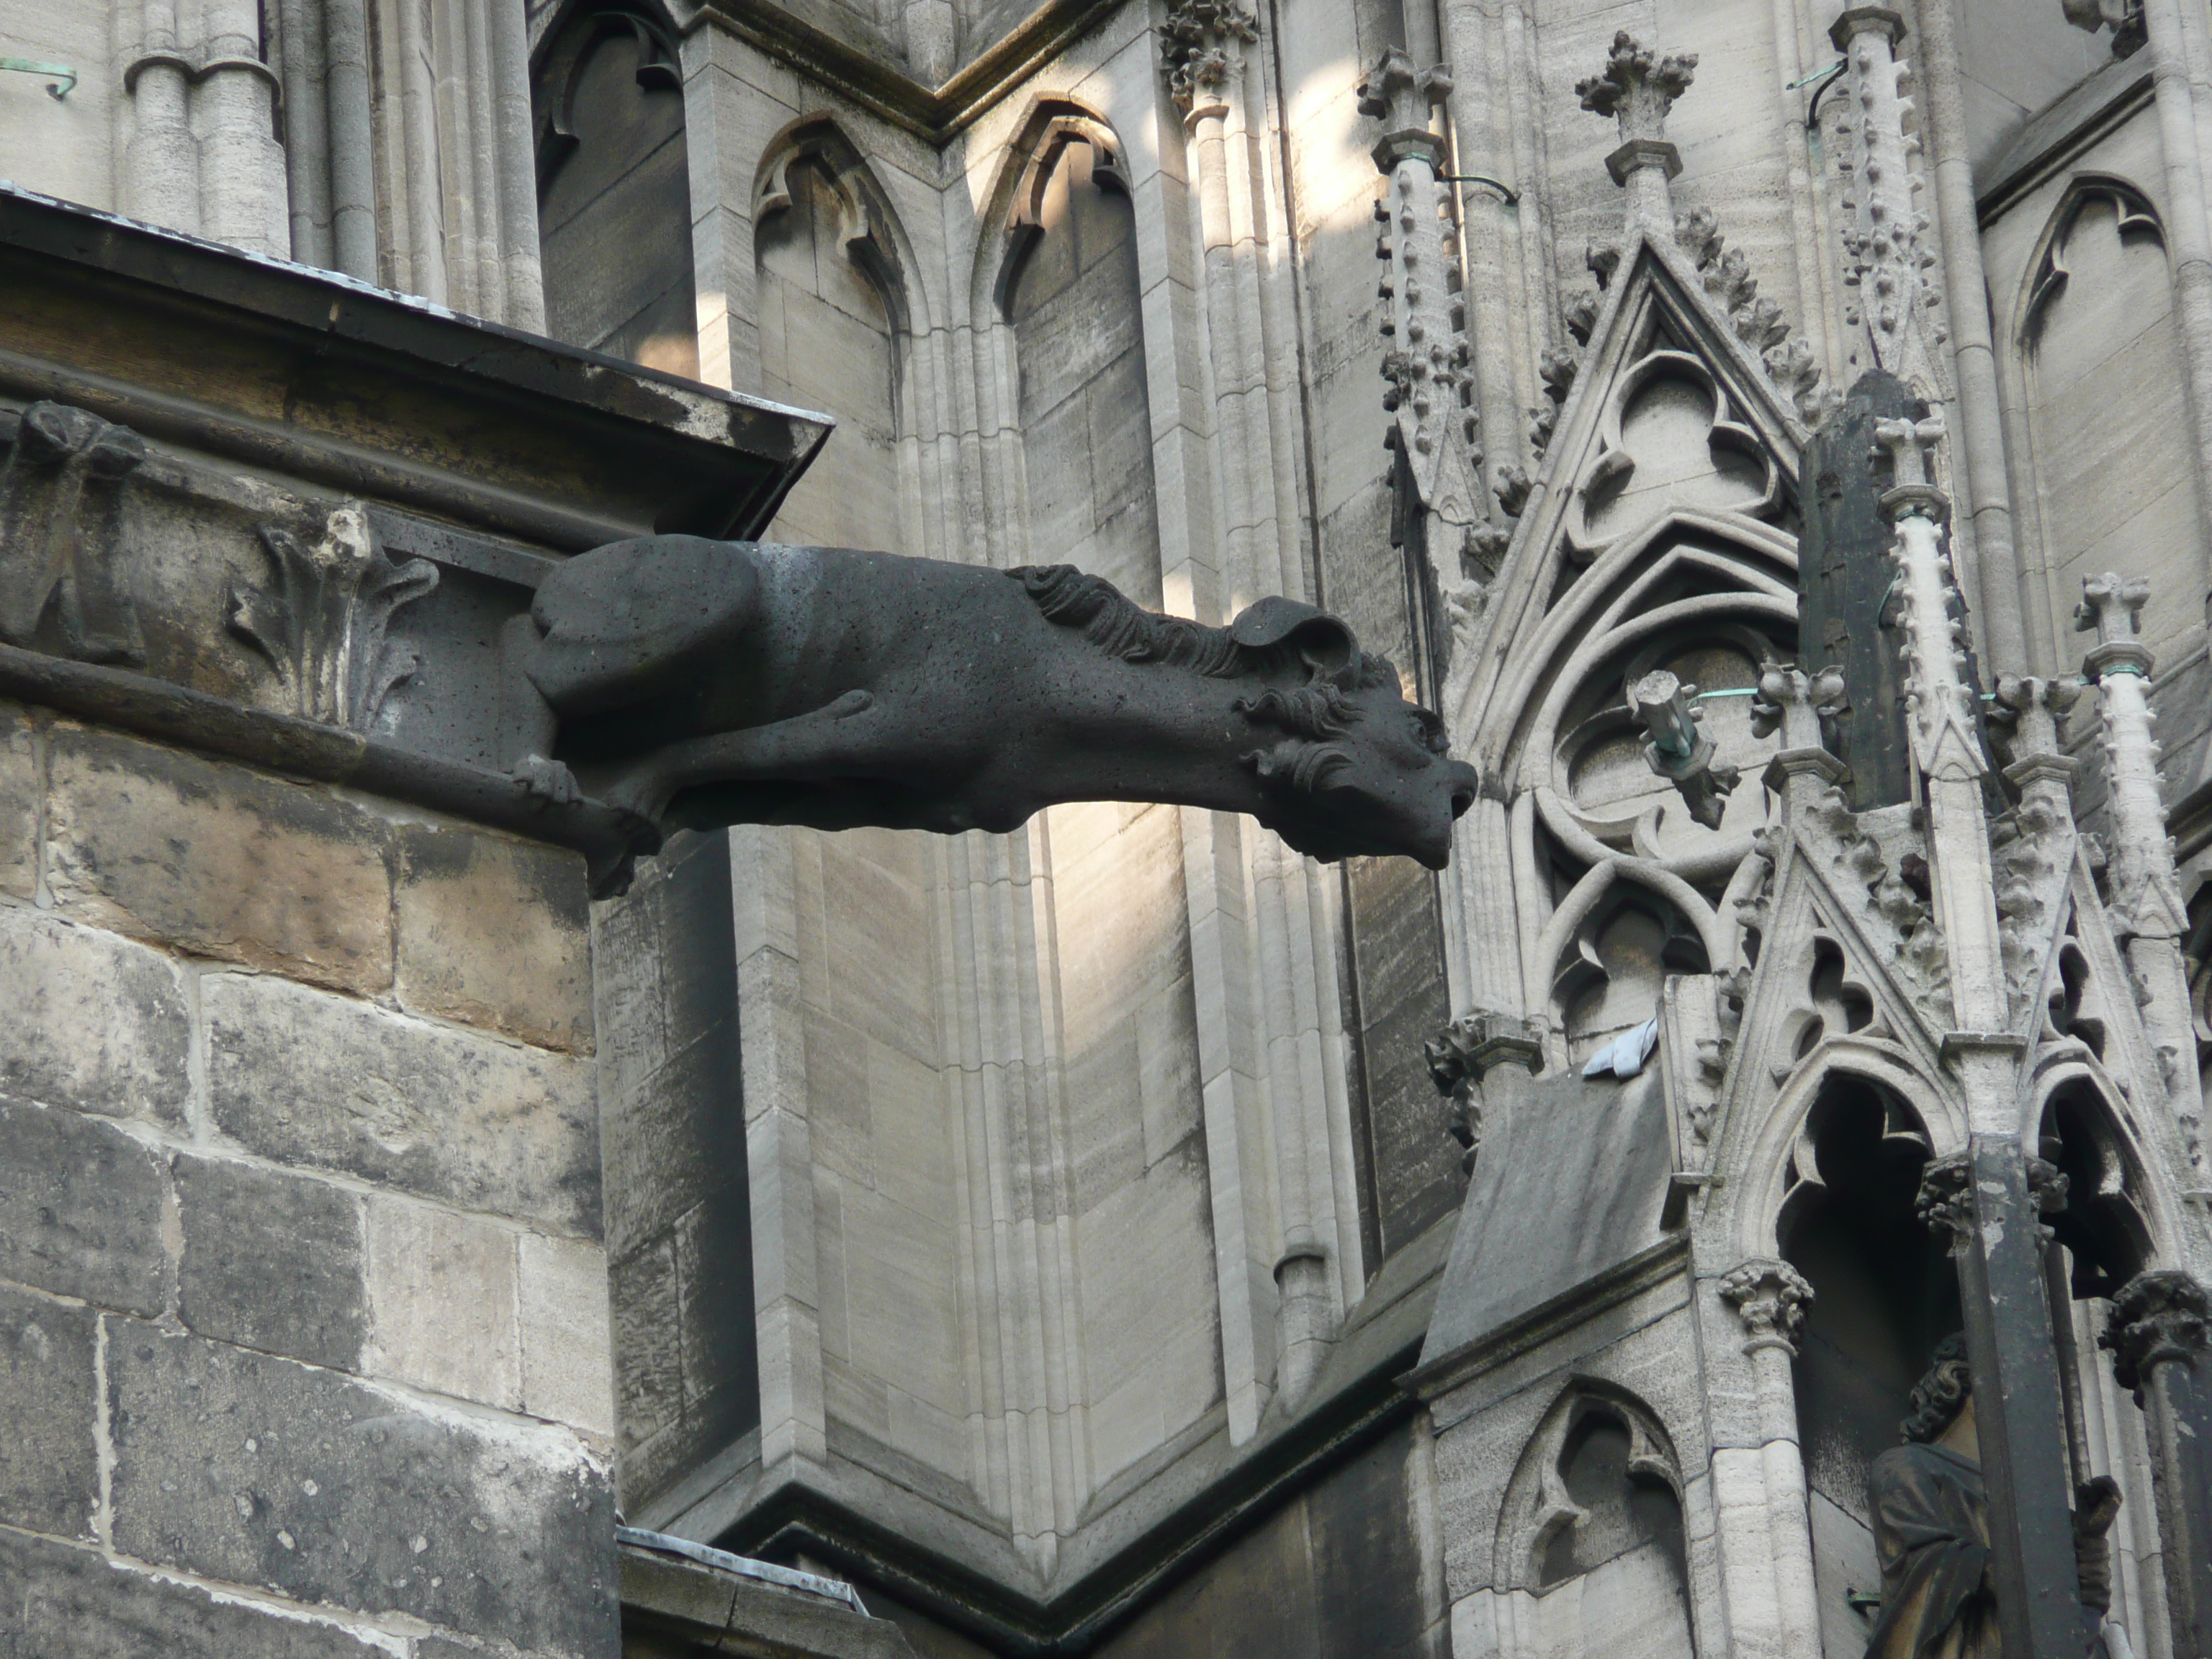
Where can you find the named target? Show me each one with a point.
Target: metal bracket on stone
(1677, 746)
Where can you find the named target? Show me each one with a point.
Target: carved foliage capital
(1194, 40)
(1771, 1298)
(2159, 1317)
(1945, 1202)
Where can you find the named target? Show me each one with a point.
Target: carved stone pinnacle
(1770, 1298)
(1398, 96)
(2161, 1316)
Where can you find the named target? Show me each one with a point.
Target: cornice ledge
(936, 115)
(1648, 1269)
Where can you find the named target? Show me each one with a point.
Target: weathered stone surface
(687, 1600)
(219, 859)
(309, 1079)
(441, 1286)
(496, 933)
(80, 1209)
(20, 787)
(262, 1471)
(49, 1471)
(58, 1601)
(271, 1260)
(567, 1333)
(90, 1020)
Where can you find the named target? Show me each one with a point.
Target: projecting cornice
(936, 115)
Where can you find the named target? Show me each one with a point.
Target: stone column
(1770, 1298)
(1639, 86)
(2144, 904)
(1986, 1201)
(161, 164)
(2158, 1340)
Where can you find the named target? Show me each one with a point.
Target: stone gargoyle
(696, 683)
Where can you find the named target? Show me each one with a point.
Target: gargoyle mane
(1119, 627)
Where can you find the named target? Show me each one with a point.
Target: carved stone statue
(1931, 1527)
(699, 683)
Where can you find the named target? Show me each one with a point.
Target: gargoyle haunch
(698, 683)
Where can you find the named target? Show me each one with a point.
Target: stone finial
(1911, 444)
(1770, 1298)
(1465, 1052)
(1400, 96)
(1676, 745)
(2113, 606)
(1945, 1202)
(1888, 267)
(2027, 710)
(1637, 87)
(2159, 1317)
(1194, 40)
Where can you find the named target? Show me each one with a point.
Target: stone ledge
(303, 748)
(664, 1595)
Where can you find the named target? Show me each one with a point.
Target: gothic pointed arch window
(1069, 286)
(614, 192)
(2104, 406)
(830, 306)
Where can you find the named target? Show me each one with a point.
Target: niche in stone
(2101, 361)
(1595, 1534)
(828, 308)
(614, 194)
(1070, 288)
(1884, 1294)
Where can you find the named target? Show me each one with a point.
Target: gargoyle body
(698, 683)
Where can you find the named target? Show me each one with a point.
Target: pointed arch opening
(1591, 1539)
(1883, 1295)
(832, 311)
(614, 191)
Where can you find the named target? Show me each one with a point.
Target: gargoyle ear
(1323, 641)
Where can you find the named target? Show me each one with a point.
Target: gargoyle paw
(547, 782)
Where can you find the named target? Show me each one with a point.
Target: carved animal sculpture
(699, 683)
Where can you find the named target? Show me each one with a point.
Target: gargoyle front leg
(817, 744)
(527, 724)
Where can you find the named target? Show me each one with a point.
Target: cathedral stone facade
(1775, 436)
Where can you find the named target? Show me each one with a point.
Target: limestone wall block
(307, 1079)
(271, 1260)
(91, 1021)
(20, 787)
(49, 1463)
(442, 1302)
(217, 859)
(80, 1209)
(74, 1600)
(566, 1332)
(331, 1492)
(494, 932)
